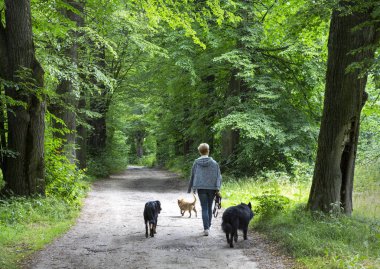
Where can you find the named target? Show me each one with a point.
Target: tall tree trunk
(24, 173)
(98, 136)
(344, 98)
(139, 140)
(82, 135)
(3, 75)
(209, 120)
(65, 89)
(230, 138)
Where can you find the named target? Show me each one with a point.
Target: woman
(206, 179)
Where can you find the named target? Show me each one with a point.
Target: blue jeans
(206, 197)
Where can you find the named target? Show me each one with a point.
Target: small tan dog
(187, 206)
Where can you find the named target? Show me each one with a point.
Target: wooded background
(99, 84)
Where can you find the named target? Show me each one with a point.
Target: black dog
(234, 218)
(151, 211)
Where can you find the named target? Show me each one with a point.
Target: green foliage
(97, 166)
(21, 210)
(316, 240)
(63, 179)
(113, 159)
(27, 224)
(195, 98)
(367, 191)
(270, 204)
(323, 241)
(369, 142)
(168, 75)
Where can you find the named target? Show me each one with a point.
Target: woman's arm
(191, 182)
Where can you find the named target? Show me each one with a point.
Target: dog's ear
(249, 205)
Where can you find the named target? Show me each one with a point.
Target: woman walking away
(206, 179)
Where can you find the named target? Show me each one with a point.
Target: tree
(352, 39)
(24, 170)
(66, 110)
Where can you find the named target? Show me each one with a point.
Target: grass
(315, 240)
(366, 196)
(27, 224)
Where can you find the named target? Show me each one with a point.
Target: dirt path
(110, 232)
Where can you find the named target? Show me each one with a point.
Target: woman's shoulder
(213, 160)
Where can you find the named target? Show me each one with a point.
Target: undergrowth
(315, 240)
(27, 224)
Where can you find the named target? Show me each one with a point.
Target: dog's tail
(195, 198)
(226, 227)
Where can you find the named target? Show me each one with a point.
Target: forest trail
(110, 231)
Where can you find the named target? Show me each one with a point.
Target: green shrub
(148, 160)
(113, 159)
(270, 204)
(97, 166)
(27, 224)
(62, 177)
(63, 180)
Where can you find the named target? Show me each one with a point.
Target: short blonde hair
(204, 148)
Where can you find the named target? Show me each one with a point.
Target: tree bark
(82, 135)
(24, 174)
(98, 136)
(344, 98)
(139, 140)
(3, 75)
(230, 138)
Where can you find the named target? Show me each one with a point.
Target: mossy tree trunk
(23, 170)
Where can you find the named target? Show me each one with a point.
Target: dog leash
(217, 205)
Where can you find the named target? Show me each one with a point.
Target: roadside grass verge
(315, 240)
(27, 224)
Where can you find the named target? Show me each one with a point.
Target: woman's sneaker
(205, 232)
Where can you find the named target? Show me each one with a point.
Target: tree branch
(268, 10)
(272, 49)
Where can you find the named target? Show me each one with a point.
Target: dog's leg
(235, 229)
(245, 230)
(195, 212)
(151, 229)
(231, 240)
(182, 212)
(228, 237)
(190, 213)
(146, 229)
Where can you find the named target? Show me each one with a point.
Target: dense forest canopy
(99, 84)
